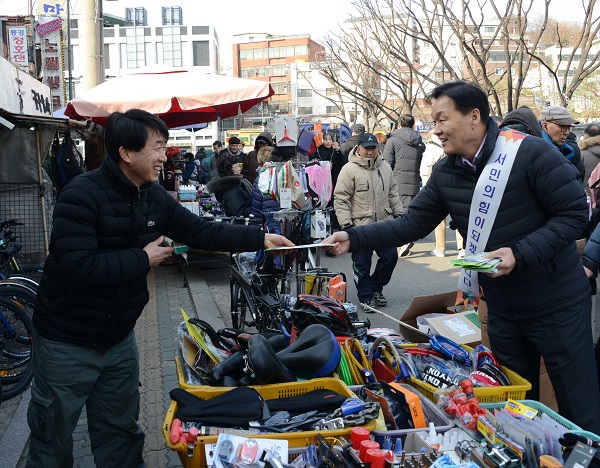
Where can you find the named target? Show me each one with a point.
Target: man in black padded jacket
(108, 230)
(539, 300)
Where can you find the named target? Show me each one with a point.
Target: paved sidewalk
(156, 334)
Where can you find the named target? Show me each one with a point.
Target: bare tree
(403, 48)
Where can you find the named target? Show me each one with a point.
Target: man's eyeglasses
(563, 128)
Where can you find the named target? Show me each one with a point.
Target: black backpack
(67, 162)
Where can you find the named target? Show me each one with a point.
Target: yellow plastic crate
(516, 391)
(196, 458)
(181, 378)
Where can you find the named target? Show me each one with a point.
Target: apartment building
(154, 36)
(261, 56)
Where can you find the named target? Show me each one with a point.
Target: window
(301, 50)
(171, 15)
(135, 16)
(305, 110)
(489, 29)
(201, 53)
(106, 57)
(135, 48)
(305, 93)
(499, 71)
(330, 92)
(172, 47)
(280, 88)
(331, 109)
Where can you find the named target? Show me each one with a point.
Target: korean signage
(22, 93)
(53, 60)
(17, 47)
(55, 8)
(46, 28)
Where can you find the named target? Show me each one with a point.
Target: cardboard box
(422, 305)
(482, 312)
(462, 328)
(485, 339)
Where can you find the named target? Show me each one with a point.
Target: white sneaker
(435, 253)
(404, 250)
(461, 253)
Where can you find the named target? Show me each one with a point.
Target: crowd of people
(513, 190)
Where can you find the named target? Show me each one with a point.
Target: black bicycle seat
(315, 353)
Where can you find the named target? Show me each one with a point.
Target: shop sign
(21, 93)
(53, 65)
(17, 47)
(56, 8)
(46, 28)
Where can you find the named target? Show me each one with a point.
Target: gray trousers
(563, 338)
(68, 376)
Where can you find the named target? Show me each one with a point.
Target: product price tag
(285, 198)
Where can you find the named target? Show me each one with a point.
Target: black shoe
(379, 299)
(369, 303)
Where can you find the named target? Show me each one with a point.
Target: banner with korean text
(486, 202)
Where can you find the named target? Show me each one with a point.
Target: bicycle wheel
(242, 308)
(20, 294)
(26, 280)
(16, 349)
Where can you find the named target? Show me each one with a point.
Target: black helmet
(310, 309)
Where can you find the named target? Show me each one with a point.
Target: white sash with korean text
(486, 201)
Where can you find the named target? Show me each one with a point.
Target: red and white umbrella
(178, 97)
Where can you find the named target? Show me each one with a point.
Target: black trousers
(563, 337)
(367, 283)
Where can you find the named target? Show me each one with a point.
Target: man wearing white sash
(515, 197)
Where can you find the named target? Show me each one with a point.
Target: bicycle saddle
(315, 353)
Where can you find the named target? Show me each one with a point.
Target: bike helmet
(310, 309)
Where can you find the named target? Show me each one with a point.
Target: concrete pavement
(156, 336)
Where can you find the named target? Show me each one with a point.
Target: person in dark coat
(539, 300)
(231, 189)
(590, 151)
(403, 152)
(262, 140)
(108, 230)
(556, 128)
(524, 120)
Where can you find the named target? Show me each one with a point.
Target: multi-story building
(147, 36)
(261, 56)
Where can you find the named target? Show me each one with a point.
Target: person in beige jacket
(367, 192)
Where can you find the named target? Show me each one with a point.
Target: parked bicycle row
(17, 301)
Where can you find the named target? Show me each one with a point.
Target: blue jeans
(367, 283)
(67, 376)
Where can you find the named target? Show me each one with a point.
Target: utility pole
(91, 30)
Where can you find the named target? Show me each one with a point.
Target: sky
(314, 17)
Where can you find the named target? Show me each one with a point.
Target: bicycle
(255, 300)
(16, 349)
(10, 266)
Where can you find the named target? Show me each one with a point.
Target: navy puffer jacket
(94, 283)
(542, 212)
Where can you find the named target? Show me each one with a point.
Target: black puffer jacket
(94, 283)
(234, 192)
(542, 212)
